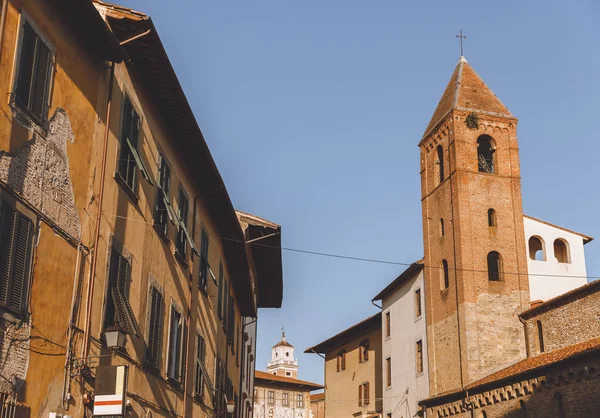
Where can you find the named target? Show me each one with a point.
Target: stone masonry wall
(572, 323)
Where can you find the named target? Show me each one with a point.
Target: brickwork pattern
(565, 325)
(576, 382)
(39, 172)
(14, 355)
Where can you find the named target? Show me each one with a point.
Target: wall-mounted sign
(110, 390)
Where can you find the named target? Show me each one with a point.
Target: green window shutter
(220, 300)
(119, 281)
(155, 326)
(138, 161)
(26, 66)
(231, 323)
(8, 218)
(41, 83)
(20, 273)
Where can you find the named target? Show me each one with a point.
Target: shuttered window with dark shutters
(181, 242)
(162, 209)
(129, 142)
(231, 321)
(34, 74)
(16, 242)
(177, 334)
(118, 311)
(203, 278)
(155, 326)
(220, 301)
(199, 363)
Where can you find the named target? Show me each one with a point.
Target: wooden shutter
(119, 282)
(26, 66)
(41, 82)
(360, 395)
(155, 326)
(366, 393)
(7, 226)
(220, 300)
(231, 323)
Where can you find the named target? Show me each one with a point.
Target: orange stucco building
(111, 217)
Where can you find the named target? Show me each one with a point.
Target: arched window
(557, 406)
(445, 275)
(537, 251)
(440, 163)
(494, 262)
(561, 251)
(491, 217)
(341, 361)
(486, 151)
(363, 351)
(442, 227)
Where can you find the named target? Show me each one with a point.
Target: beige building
(353, 382)
(317, 405)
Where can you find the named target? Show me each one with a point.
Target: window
(163, 211)
(419, 356)
(418, 311)
(129, 159)
(181, 241)
(34, 74)
(155, 316)
(16, 247)
(494, 262)
(288, 374)
(286, 399)
(199, 363)
(221, 284)
(536, 249)
(363, 351)
(117, 311)
(231, 320)
(341, 361)
(174, 365)
(388, 327)
(540, 335)
(225, 300)
(204, 266)
(486, 153)
(445, 275)
(561, 251)
(388, 372)
(271, 397)
(491, 218)
(440, 163)
(442, 232)
(558, 407)
(300, 401)
(363, 394)
(256, 398)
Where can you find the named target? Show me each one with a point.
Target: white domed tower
(283, 362)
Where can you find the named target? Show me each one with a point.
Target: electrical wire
(366, 259)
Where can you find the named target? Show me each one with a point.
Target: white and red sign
(108, 404)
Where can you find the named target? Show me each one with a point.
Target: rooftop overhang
(151, 69)
(264, 246)
(89, 27)
(349, 334)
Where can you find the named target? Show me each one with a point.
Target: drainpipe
(2, 24)
(376, 305)
(90, 292)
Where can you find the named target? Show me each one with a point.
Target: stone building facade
(317, 405)
(111, 213)
(353, 370)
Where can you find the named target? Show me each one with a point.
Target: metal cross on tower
(461, 36)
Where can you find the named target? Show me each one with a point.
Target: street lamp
(230, 407)
(115, 337)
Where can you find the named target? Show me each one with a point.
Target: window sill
(152, 368)
(180, 259)
(199, 398)
(12, 317)
(130, 192)
(175, 384)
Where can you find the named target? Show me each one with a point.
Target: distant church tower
(283, 362)
(475, 257)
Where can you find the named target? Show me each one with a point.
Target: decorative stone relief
(39, 171)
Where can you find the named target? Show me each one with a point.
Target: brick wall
(576, 382)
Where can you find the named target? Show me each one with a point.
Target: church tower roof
(283, 342)
(468, 92)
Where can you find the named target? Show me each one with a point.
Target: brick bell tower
(475, 257)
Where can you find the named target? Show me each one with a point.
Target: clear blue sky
(313, 110)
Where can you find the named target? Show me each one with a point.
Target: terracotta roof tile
(371, 323)
(316, 397)
(289, 380)
(528, 365)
